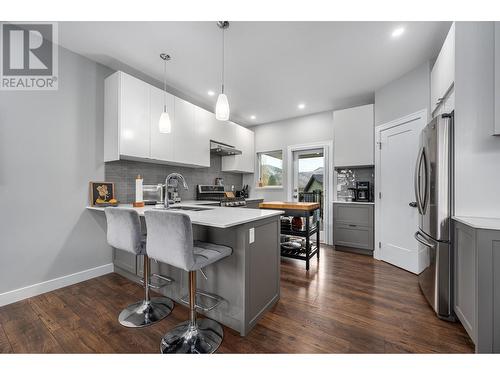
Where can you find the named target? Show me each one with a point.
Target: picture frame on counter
(102, 194)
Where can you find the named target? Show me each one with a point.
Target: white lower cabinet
(132, 110)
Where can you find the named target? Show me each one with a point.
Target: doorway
(309, 180)
(396, 215)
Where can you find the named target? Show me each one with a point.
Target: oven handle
(418, 236)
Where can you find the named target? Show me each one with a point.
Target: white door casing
(397, 144)
(296, 171)
(327, 147)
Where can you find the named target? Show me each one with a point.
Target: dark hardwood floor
(348, 303)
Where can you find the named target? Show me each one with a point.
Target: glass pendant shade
(165, 125)
(222, 108)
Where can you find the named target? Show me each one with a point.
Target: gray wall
(477, 154)
(279, 135)
(403, 96)
(124, 172)
(51, 146)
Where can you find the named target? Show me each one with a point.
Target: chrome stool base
(145, 313)
(204, 337)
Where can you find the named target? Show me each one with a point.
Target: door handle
(412, 204)
(420, 239)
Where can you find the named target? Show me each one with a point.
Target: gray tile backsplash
(347, 178)
(124, 172)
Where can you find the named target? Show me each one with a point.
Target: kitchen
(171, 197)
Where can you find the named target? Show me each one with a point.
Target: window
(270, 169)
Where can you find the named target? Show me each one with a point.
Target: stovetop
(216, 193)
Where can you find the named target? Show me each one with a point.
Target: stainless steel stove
(216, 193)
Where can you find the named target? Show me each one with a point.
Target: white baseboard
(49, 285)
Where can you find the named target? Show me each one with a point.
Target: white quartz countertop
(345, 202)
(492, 223)
(218, 217)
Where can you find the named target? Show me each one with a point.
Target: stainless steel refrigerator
(434, 198)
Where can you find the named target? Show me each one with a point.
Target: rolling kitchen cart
(308, 212)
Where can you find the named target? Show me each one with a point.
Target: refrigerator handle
(426, 175)
(421, 239)
(417, 180)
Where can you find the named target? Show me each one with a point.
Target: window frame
(259, 169)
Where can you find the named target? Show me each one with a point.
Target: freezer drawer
(435, 280)
(352, 235)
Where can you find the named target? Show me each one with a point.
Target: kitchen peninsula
(248, 280)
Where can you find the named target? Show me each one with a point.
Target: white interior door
(309, 183)
(398, 218)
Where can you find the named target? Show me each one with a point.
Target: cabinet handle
(353, 225)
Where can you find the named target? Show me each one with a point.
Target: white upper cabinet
(207, 124)
(134, 115)
(132, 110)
(243, 139)
(443, 71)
(496, 129)
(353, 134)
(162, 145)
(126, 118)
(190, 146)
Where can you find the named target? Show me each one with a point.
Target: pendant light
(164, 125)
(222, 106)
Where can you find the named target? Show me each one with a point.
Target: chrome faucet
(177, 177)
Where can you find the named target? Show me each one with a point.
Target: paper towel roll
(138, 189)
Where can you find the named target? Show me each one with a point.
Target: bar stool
(170, 240)
(124, 233)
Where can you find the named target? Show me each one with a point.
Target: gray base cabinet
(353, 225)
(477, 272)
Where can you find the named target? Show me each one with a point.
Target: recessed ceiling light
(301, 106)
(210, 93)
(253, 117)
(398, 32)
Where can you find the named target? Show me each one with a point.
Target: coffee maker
(362, 191)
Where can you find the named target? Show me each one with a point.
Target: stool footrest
(158, 284)
(205, 301)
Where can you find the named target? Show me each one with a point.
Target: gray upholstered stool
(170, 240)
(124, 233)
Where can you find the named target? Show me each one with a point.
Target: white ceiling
(271, 67)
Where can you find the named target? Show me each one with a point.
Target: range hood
(222, 149)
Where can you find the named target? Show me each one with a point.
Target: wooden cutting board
(300, 206)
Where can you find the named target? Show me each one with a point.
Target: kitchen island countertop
(217, 217)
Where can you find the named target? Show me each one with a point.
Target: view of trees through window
(271, 168)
